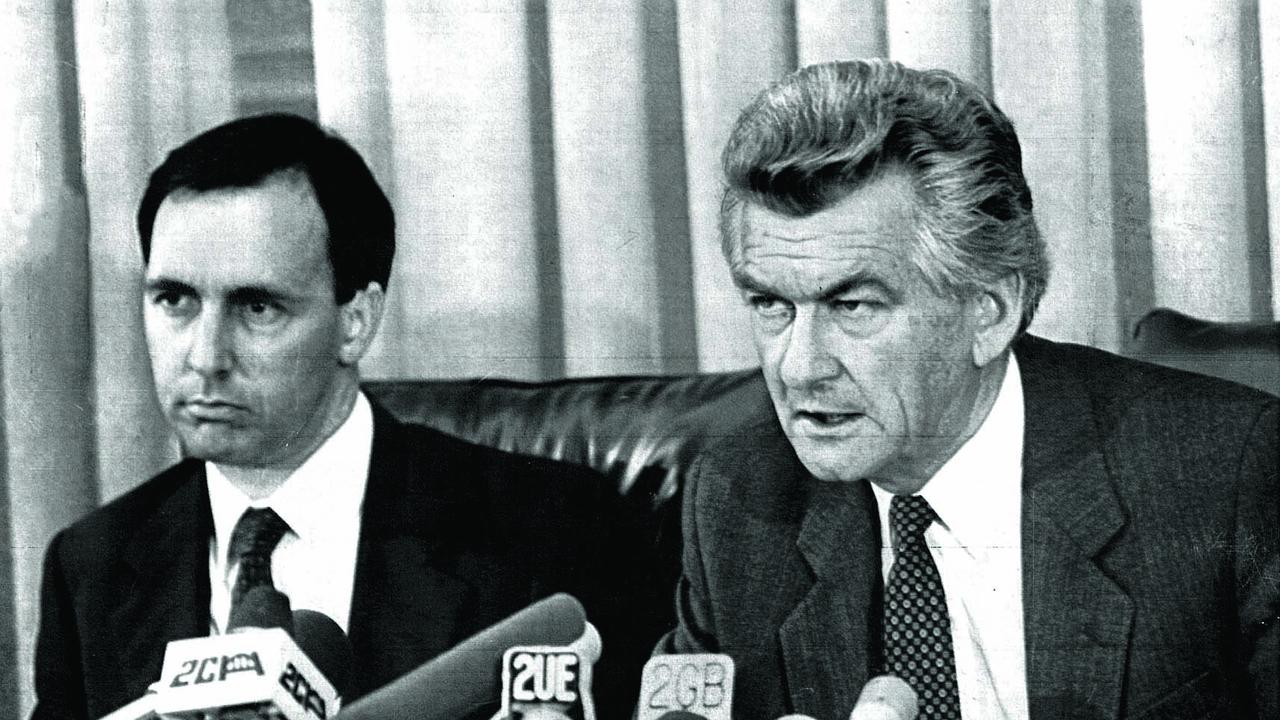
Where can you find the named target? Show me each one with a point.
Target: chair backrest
(640, 431)
(641, 434)
(1245, 352)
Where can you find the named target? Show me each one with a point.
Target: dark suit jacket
(455, 537)
(1151, 553)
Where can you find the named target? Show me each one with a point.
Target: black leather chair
(642, 433)
(1247, 353)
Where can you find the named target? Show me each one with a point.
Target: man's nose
(806, 357)
(211, 352)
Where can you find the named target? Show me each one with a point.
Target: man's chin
(829, 466)
(219, 451)
(836, 463)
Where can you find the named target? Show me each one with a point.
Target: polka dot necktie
(256, 535)
(917, 628)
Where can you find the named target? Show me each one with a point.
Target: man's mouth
(818, 419)
(204, 409)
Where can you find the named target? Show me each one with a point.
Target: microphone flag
(546, 682)
(700, 684)
(258, 667)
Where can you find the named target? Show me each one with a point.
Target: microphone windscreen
(589, 646)
(323, 641)
(468, 677)
(681, 715)
(887, 697)
(261, 607)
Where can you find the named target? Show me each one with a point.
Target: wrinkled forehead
(870, 233)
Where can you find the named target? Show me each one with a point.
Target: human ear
(997, 314)
(359, 320)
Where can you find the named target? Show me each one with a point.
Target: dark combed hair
(249, 151)
(813, 138)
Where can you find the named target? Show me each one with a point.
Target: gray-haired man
(1048, 530)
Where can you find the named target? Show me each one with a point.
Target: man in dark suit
(1016, 527)
(268, 245)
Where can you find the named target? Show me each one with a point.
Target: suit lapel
(829, 639)
(1077, 619)
(405, 606)
(164, 591)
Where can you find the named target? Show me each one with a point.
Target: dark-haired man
(267, 248)
(1018, 528)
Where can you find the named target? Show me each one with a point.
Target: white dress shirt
(315, 562)
(977, 546)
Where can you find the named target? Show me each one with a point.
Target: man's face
(241, 322)
(872, 374)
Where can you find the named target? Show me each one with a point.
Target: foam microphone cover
(261, 607)
(326, 645)
(886, 697)
(469, 676)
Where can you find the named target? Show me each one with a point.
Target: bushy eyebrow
(241, 295)
(856, 281)
(256, 294)
(747, 283)
(167, 285)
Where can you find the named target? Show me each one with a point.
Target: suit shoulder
(1117, 383)
(106, 527)
(752, 471)
(1158, 425)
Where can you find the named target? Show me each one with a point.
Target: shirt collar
(977, 493)
(329, 484)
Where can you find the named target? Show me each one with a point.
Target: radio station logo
(295, 683)
(697, 685)
(222, 668)
(542, 683)
(216, 668)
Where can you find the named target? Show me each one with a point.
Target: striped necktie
(254, 539)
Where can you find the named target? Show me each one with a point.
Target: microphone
(460, 680)
(695, 685)
(327, 646)
(261, 607)
(887, 697)
(796, 717)
(254, 670)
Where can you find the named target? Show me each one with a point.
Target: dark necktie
(917, 628)
(257, 533)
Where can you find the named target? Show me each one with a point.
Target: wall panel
(839, 30)
(1197, 149)
(608, 213)
(949, 34)
(469, 290)
(1057, 101)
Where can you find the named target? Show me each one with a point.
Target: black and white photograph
(648, 359)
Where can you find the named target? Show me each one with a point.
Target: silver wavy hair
(819, 134)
